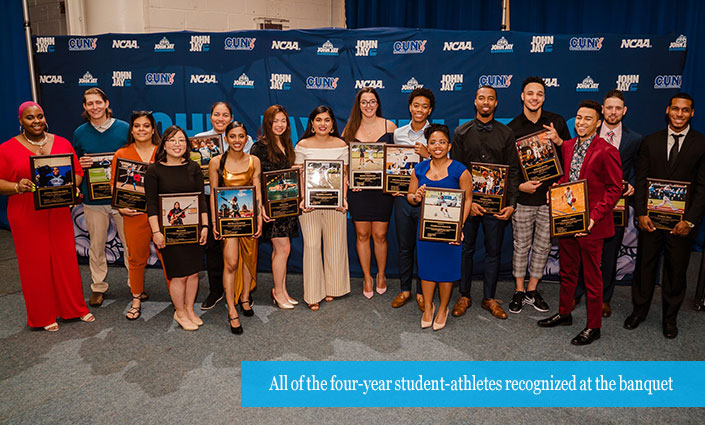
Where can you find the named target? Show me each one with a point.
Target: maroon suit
(603, 171)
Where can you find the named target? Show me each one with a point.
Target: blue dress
(438, 261)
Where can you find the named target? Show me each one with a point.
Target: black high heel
(238, 330)
(250, 312)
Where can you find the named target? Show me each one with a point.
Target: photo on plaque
(366, 165)
(666, 202)
(538, 157)
(281, 192)
(128, 186)
(98, 176)
(621, 211)
(180, 217)
(569, 208)
(235, 211)
(203, 148)
(399, 163)
(489, 182)
(53, 176)
(324, 183)
(442, 215)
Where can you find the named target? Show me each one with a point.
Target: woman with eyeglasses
(174, 172)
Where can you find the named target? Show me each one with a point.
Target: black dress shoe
(670, 331)
(556, 320)
(587, 336)
(632, 322)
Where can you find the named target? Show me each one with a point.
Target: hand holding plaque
(666, 202)
(399, 163)
(366, 165)
(98, 176)
(281, 193)
(568, 206)
(442, 215)
(53, 176)
(538, 157)
(323, 183)
(236, 211)
(128, 185)
(489, 186)
(180, 218)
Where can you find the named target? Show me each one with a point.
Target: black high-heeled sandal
(250, 312)
(134, 313)
(235, 330)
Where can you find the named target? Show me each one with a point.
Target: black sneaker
(211, 300)
(535, 299)
(517, 302)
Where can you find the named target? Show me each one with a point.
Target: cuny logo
(588, 84)
(375, 84)
(449, 46)
(122, 78)
(82, 44)
(410, 85)
(164, 46)
(551, 82)
(322, 83)
(636, 43)
(239, 43)
(668, 81)
(159, 78)
(628, 82)
(586, 43)
(451, 82)
(327, 49)
(679, 45)
(243, 82)
(366, 48)
(203, 79)
(541, 44)
(200, 43)
(280, 82)
(125, 44)
(285, 45)
(409, 47)
(502, 46)
(45, 44)
(501, 81)
(51, 79)
(87, 80)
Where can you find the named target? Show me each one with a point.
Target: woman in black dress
(276, 152)
(173, 172)
(370, 209)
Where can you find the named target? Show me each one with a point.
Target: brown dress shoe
(419, 302)
(96, 299)
(606, 310)
(492, 305)
(461, 306)
(401, 299)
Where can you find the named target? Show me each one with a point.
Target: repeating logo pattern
(239, 43)
(366, 47)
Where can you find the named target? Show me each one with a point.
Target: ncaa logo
(51, 79)
(285, 45)
(586, 43)
(551, 82)
(588, 84)
(243, 82)
(45, 44)
(322, 83)
(280, 82)
(122, 78)
(451, 82)
(203, 79)
(628, 82)
(159, 78)
(82, 44)
(125, 44)
(502, 46)
(680, 44)
(375, 84)
(635, 43)
(366, 48)
(501, 81)
(239, 43)
(410, 85)
(409, 47)
(452, 46)
(87, 80)
(164, 46)
(327, 49)
(200, 43)
(668, 81)
(541, 44)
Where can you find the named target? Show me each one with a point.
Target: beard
(617, 121)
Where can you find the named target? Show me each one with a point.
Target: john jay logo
(457, 45)
(679, 45)
(122, 78)
(83, 44)
(375, 84)
(410, 85)
(322, 83)
(636, 43)
(327, 49)
(280, 82)
(451, 82)
(366, 48)
(125, 44)
(668, 81)
(586, 43)
(496, 81)
(239, 43)
(203, 79)
(51, 79)
(551, 82)
(588, 84)
(45, 44)
(541, 43)
(285, 45)
(409, 47)
(164, 46)
(87, 80)
(200, 43)
(159, 78)
(244, 82)
(502, 46)
(628, 82)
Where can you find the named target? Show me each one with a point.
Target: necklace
(40, 143)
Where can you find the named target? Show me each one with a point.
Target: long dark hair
(268, 137)
(322, 109)
(160, 156)
(137, 114)
(224, 157)
(356, 114)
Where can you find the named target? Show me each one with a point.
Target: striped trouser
(329, 274)
(531, 232)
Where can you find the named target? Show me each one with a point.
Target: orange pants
(138, 237)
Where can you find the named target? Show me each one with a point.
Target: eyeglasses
(368, 103)
(177, 141)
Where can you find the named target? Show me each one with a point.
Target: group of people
(605, 153)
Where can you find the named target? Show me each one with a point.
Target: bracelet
(205, 226)
(17, 188)
(158, 231)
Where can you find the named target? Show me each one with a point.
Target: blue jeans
(406, 218)
(494, 234)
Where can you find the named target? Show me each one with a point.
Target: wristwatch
(691, 225)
